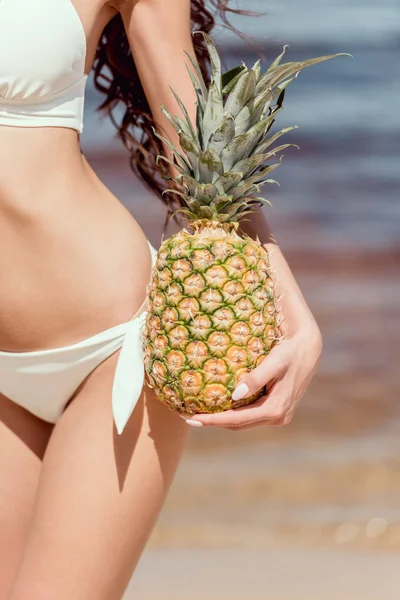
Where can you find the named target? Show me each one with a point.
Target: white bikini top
(42, 64)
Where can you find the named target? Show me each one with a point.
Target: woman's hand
(286, 372)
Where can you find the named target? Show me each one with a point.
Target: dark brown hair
(116, 76)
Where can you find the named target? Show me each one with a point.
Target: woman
(77, 500)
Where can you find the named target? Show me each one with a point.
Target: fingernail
(194, 423)
(241, 392)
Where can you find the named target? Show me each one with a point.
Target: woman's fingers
(271, 409)
(267, 410)
(271, 368)
(276, 408)
(232, 418)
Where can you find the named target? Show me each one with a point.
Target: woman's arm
(291, 301)
(159, 33)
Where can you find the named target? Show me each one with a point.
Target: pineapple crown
(224, 159)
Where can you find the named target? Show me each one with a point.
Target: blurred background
(312, 510)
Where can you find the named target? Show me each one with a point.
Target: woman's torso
(72, 259)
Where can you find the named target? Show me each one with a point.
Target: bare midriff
(73, 261)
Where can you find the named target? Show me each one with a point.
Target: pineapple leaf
(210, 190)
(230, 87)
(177, 123)
(213, 113)
(244, 118)
(259, 130)
(199, 125)
(234, 151)
(197, 69)
(257, 69)
(171, 119)
(172, 164)
(268, 122)
(223, 134)
(239, 192)
(210, 166)
(274, 151)
(259, 106)
(187, 213)
(264, 102)
(230, 78)
(234, 208)
(214, 60)
(223, 218)
(243, 145)
(277, 91)
(227, 181)
(174, 149)
(252, 182)
(273, 181)
(186, 130)
(197, 88)
(263, 200)
(177, 192)
(190, 183)
(205, 212)
(185, 113)
(247, 165)
(266, 170)
(281, 97)
(245, 205)
(261, 149)
(278, 59)
(221, 201)
(193, 204)
(191, 150)
(241, 93)
(206, 192)
(272, 78)
(280, 88)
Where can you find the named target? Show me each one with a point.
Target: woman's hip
(59, 289)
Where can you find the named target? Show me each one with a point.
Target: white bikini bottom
(43, 382)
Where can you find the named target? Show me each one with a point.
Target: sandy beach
(265, 575)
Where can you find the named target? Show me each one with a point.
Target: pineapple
(212, 312)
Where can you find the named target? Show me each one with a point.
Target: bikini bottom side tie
(129, 373)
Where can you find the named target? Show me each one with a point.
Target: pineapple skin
(212, 318)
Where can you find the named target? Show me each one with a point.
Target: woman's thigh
(99, 495)
(23, 439)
